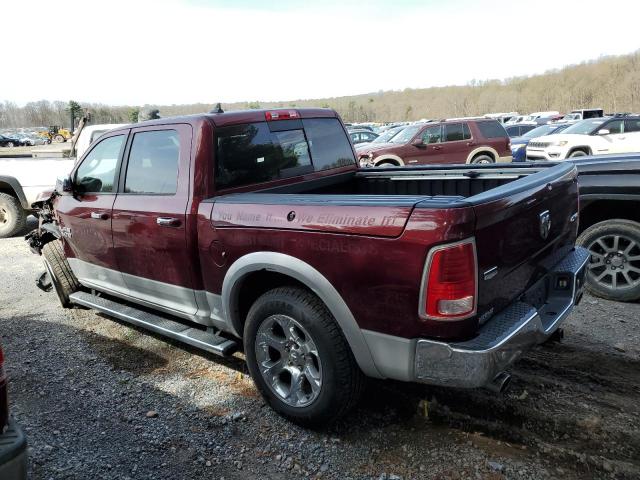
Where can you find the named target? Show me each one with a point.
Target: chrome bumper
(504, 338)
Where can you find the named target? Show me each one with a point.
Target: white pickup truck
(21, 180)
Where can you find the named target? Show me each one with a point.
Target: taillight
(449, 290)
(281, 115)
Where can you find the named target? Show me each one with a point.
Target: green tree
(133, 115)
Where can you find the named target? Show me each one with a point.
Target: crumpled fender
(42, 198)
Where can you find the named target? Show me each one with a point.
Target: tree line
(612, 83)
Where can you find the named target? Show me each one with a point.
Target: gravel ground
(100, 399)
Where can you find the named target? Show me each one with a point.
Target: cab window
(153, 163)
(97, 172)
(432, 135)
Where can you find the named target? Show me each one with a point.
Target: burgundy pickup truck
(257, 229)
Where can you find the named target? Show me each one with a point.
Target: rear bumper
(13, 454)
(504, 338)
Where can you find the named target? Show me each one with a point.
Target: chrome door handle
(99, 215)
(168, 222)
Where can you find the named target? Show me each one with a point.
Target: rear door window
(632, 126)
(153, 163)
(491, 129)
(454, 132)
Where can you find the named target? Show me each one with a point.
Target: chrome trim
(314, 280)
(505, 337)
(489, 274)
(425, 272)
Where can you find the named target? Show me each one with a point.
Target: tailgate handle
(168, 222)
(99, 215)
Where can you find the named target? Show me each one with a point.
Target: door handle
(437, 148)
(99, 215)
(168, 222)
(469, 144)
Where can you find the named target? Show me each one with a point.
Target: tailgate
(523, 229)
(372, 215)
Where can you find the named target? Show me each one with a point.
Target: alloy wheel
(288, 360)
(615, 261)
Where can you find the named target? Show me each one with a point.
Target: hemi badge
(574, 217)
(489, 274)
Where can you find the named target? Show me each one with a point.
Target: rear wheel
(614, 268)
(482, 158)
(62, 278)
(386, 163)
(58, 138)
(299, 358)
(13, 219)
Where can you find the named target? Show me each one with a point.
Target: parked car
(384, 137)
(13, 443)
(20, 183)
(258, 227)
(10, 141)
(610, 224)
(456, 141)
(595, 136)
(362, 136)
(519, 129)
(583, 114)
(519, 144)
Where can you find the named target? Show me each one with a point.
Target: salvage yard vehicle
(21, 180)
(610, 224)
(478, 140)
(13, 443)
(258, 228)
(596, 136)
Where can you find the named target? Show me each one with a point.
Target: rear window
(260, 152)
(454, 132)
(491, 129)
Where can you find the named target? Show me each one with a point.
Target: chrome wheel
(615, 261)
(288, 360)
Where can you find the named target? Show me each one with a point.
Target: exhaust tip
(500, 383)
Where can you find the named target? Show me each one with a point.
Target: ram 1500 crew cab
(257, 229)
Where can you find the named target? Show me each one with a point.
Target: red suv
(448, 141)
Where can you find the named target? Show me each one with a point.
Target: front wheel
(578, 153)
(299, 359)
(614, 270)
(62, 278)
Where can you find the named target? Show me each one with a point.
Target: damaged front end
(48, 230)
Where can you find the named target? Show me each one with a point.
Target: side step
(156, 323)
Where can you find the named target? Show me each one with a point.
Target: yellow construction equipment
(56, 134)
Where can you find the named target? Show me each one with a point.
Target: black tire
(606, 231)
(62, 278)
(386, 163)
(59, 138)
(482, 158)
(342, 381)
(577, 153)
(13, 219)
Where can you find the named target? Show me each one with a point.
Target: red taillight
(281, 115)
(450, 290)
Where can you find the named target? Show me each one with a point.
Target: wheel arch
(585, 148)
(301, 273)
(484, 149)
(598, 210)
(389, 157)
(11, 186)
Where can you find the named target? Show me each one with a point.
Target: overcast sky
(186, 51)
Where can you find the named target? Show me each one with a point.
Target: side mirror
(418, 142)
(64, 184)
(603, 131)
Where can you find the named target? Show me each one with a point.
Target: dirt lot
(99, 399)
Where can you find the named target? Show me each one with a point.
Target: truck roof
(237, 116)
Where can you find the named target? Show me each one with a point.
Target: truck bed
(397, 215)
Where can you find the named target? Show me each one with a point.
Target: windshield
(584, 127)
(388, 135)
(405, 135)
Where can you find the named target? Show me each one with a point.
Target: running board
(169, 328)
